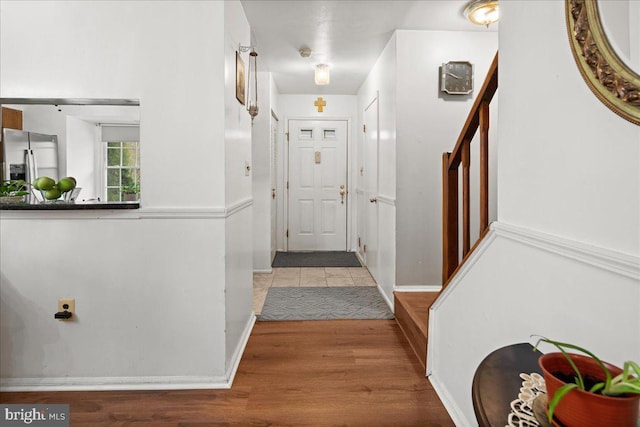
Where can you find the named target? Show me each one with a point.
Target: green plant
(13, 187)
(628, 382)
(131, 188)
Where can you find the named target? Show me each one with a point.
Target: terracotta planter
(579, 408)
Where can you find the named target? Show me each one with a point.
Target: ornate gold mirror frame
(608, 77)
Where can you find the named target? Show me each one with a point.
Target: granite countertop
(62, 206)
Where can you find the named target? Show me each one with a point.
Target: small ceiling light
(482, 12)
(322, 74)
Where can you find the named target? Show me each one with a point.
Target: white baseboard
(386, 299)
(237, 354)
(263, 270)
(458, 418)
(113, 383)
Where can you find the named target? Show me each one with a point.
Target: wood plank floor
(307, 373)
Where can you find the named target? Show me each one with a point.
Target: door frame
(285, 176)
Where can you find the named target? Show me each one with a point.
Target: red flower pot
(580, 408)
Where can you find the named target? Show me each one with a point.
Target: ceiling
(347, 35)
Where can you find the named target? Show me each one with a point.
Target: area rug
(352, 302)
(316, 259)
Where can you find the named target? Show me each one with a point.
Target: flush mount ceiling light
(322, 74)
(482, 12)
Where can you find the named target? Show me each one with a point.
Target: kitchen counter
(61, 206)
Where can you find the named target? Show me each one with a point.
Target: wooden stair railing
(478, 119)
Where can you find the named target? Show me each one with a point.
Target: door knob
(373, 200)
(342, 193)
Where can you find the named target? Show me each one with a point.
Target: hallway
(320, 373)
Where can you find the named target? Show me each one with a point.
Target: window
(122, 169)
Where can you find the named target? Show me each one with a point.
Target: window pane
(128, 176)
(113, 144)
(129, 157)
(113, 177)
(113, 157)
(133, 145)
(113, 194)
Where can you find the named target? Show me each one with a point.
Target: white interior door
(274, 180)
(370, 174)
(317, 185)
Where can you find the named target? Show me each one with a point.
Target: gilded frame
(608, 77)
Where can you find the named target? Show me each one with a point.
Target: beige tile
(262, 280)
(284, 282)
(364, 281)
(312, 272)
(259, 295)
(359, 272)
(337, 272)
(261, 274)
(313, 281)
(287, 272)
(339, 281)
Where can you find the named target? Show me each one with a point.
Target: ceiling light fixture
(322, 74)
(482, 12)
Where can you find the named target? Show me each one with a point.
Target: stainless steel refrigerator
(29, 155)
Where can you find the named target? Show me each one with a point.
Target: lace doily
(522, 408)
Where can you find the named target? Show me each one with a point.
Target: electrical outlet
(71, 303)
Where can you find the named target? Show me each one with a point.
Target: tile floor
(312, 276)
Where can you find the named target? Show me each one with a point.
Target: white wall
(381, 82)
(160, 279)
(428, 124)
(563, 258)
(238, 192)
(301, 106)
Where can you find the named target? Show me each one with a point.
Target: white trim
(386, 299)
(606, 259)
(458, 418)
(237, 354)
(238, 206)
(386, 200)
(179, 213)
(113, 383)
(418, 288)
(263, 270)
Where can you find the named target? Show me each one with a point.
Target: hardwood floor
(305, 373)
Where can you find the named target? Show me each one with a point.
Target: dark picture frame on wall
(240, 79)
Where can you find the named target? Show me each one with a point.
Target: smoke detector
(305, 52)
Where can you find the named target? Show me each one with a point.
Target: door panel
(317, 170)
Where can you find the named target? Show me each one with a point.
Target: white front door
(371, 187)
(317, 185)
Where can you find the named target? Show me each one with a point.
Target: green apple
(52, 194)
(44, 183)
(66, 184)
